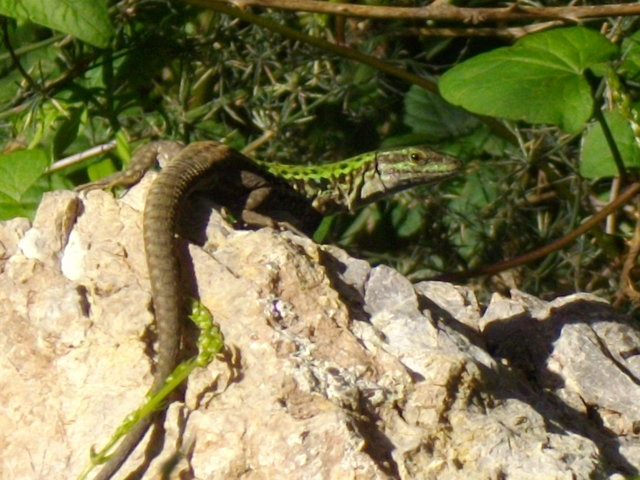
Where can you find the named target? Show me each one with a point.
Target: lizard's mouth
(402, 180)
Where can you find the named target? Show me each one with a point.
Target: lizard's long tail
(174, 182)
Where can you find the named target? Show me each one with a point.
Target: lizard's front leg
(144, 158)
(257, 197)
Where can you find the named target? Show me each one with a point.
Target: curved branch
(557, 244)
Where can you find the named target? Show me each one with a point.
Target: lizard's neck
(330, 187)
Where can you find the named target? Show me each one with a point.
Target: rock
(339, 370)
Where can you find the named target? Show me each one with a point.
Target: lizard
(260, 193)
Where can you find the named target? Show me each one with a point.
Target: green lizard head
(354, 182)
(403, 168)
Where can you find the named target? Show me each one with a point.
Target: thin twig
(78, 157)
(251, 147)
(512, 33)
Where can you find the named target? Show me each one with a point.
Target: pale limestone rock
(339, 370)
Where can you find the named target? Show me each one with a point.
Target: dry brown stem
(512, 33)
(627, 288)
(441, 10)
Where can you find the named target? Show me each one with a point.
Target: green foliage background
(146, 70)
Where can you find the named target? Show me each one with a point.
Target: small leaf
(596, 159)
(19, 170)
(477, 193)
(10, 208)
(123, 147)
(101, 169)
(407, 221)
(86, 19)
(539, 79)
(429, 114)
(631, 56)
(324, 228)
(66, 132)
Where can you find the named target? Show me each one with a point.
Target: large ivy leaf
(596, 159)
(539, 79)
(87, 20)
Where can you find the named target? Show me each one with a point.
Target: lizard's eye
(415, 157)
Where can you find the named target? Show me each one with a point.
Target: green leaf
(67, 132)
(101, 169)
(86, 19)
(19, 170)
(324, 228)
(407, 221)
(123, 147)
(539, 79)
(429, 114)
(596, 159)
(630, 65)
(10, 208)
(476, 195)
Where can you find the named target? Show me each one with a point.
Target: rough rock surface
(339, 371)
